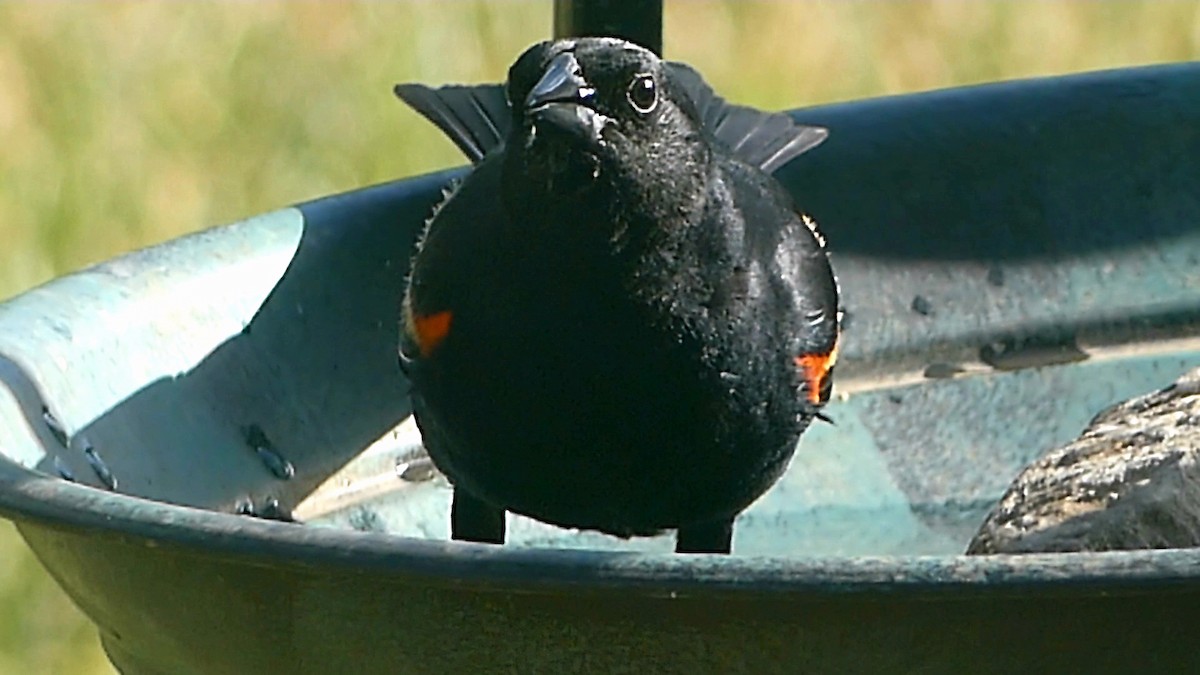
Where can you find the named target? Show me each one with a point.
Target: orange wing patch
(815, 369)
(430, 330)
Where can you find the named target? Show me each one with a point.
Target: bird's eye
(642, 93)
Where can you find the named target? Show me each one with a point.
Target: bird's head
(592, 113)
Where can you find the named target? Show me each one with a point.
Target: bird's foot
(714, 536)
(472, 519)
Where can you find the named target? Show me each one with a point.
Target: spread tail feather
(763, 139)
(475, 117)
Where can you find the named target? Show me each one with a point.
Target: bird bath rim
(31, 498)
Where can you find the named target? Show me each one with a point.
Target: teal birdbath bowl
(206, 442)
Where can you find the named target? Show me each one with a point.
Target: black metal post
(638, 21)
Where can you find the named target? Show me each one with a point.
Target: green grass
(124, 124)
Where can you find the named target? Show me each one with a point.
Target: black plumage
(617, 321)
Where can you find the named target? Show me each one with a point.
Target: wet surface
(1013, 354)
(99, 467)
(280, 467)
(907, 469)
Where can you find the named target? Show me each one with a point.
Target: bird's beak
(561, 99)
(561, 83)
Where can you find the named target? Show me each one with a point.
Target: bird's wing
(475, 117)
(762, 139)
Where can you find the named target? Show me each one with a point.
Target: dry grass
(128, 123)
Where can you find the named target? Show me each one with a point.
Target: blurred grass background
(124, 124)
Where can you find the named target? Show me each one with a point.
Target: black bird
(617, 321)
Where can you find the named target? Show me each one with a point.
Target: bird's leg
(472, 519)
(713, 536)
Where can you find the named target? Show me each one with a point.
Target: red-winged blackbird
(617, 321)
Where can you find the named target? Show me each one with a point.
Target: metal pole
(638, 21)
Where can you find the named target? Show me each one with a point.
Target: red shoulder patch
(430, 330)
(816, 368)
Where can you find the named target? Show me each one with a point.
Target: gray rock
(1130, 481)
